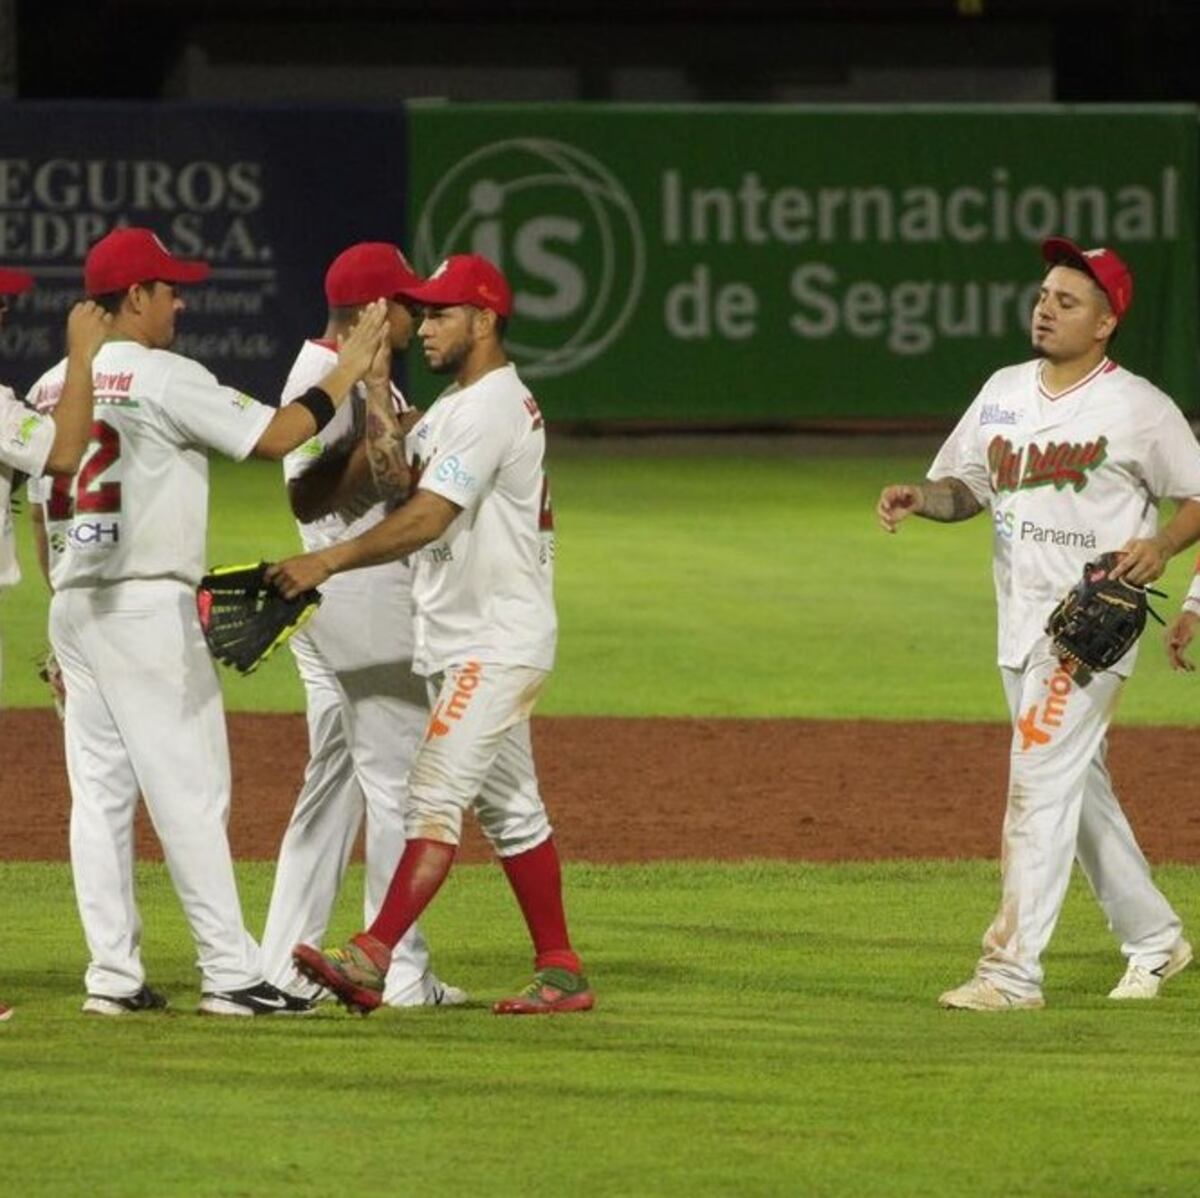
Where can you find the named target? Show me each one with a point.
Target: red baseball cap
(465, 279)
(14, 282)
(366, 272)
(128, 256)
(1105, 266)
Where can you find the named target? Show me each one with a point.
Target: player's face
(1071, 316)
(447, 337)
(163, 304)
(401, 319)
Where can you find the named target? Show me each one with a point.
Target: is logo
(563, 230)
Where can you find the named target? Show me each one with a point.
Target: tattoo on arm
(948, 500)
(385, 451)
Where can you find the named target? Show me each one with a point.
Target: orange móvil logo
(452, 709)
(1035, 725)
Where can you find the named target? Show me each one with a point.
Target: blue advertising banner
(268, 195)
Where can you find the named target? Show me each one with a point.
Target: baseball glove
(1100, 618)
(244, 618)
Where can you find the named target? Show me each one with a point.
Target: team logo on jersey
(26, 429)
(1058, 464)
(446, 710)
(94, 534)
(993, 413)
(451, 471)
(1038, 725)
(564, 231)
(242, 402)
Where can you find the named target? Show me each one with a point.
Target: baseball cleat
(553, 991)
(106, 1004)
(981, 995)
(262, 999)
(5, 1012)
(428, 991)
(349, 973)
(1140, 982)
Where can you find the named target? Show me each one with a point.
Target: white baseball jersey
(1066, 477)
(25, 442)
(485, 589)
(138, 505)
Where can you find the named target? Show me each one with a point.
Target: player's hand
(1143, 560)
(356, 349)
(296, 574)
(1177, 637)
(379, 374)
(88, 327)
(896, 503)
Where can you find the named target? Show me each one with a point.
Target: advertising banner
(267, 195)
(752, 265)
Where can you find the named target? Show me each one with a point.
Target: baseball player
(126, 538)
(366, 709)
(1073, 455)
(479, 520)
(31, 444)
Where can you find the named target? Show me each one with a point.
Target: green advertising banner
(794, 265)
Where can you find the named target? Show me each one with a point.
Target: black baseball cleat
(106, 1004)
(263, 999)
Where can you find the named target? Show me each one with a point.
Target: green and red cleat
(349, 973)
(553, 991)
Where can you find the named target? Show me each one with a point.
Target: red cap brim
(14, 282)
(181, 271)
(1056, 248)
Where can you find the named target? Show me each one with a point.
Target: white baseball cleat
(428, 991)
(981, 995)
(1140, 982)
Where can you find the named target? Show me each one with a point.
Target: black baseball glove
(244, 618)
(1100, 618)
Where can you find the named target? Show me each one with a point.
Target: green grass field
(710, 585)
(762, 1029)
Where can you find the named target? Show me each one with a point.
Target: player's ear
(485, 322)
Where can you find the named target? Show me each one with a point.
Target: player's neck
(125, 329)
(483, 359)
(1058, 377)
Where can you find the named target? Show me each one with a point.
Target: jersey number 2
(90, 497)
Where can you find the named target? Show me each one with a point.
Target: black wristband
(319, 406)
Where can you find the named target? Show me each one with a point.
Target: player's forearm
(947, 501)
(1182, 530)
(335, 482)
(384, 447)
(72, 417)
(398, 534)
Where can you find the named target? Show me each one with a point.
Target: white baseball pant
(366, 714)
(478, 753)
(145, 714)
(1061, 807)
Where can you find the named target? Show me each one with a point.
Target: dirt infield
(644, 790)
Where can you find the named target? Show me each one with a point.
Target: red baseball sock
(423, 867)
(536, 879)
